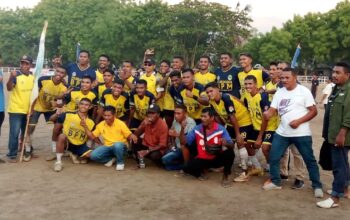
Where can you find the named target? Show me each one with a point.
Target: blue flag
(77, 52)
(295, 57)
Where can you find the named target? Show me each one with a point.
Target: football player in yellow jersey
(73, 126)
(117, 98)
(166, 102)
(126, 75)
(264, 130)
(245, 61)
(73, 97)
(140, 100)
(108, 76)
(20, 85)
(153, 79)
(51, 91)
(204, 76)
(193, 95)
(273, 84)
(234, 115)
(103, 64)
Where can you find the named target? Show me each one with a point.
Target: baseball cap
(27, 59)
(150, 61)
(153, 108)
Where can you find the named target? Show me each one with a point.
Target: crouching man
(214, 148)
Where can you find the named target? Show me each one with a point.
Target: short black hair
(179, 57)
(345, 65)
(290, 69)
(129, 61)
(109, 108)
(209, 110)
(109, 71)
(273, 63)
(105, 56)
(62, 67)
(85, 100)
(85, 51)
(175, 73)
(206, 57)
(119, 81)
(287, 63)
(251, 77)
(165, 61)
(181, 106)
(246, 54)
(188, 70)
(211, 84)
(87, 77)
(141, 81)
(226, 53)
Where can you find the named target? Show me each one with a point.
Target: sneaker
(110, 163)
(119, 167)
(58, 166)
(74, 158)
(318, 193)
(327, 204)
(242, 178)
(269, 185)
(298, 184)
(256, 172)
(51, 157)
(27, 156)
(283, 177)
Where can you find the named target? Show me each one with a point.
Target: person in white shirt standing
(327, 91)
(296, 107)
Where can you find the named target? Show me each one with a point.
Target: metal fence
(307, 79)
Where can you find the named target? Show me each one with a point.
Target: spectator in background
(314, 85)
(2, 100)
(327, 91)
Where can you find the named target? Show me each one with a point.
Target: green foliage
(124, 29)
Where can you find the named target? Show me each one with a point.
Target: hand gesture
(83, 122)
(13, 74)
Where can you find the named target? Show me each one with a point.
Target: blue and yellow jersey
(257, 105)
(152, 82)
(166, 102)
(141, 104)
(73, 98)
(121, 103)
(72, 129)
(228, 81)
(99, 76)
(260, 76)
(229, 105)
(100, 89)
(271, 86)
(75, 74)
(204, 79)
(48, 92)
(194, 108)
(19, 97)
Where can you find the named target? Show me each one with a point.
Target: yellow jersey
(99, 76)
(257, 105)
(121, 104)
(194, 108)
(19, 97)
(204, 79)
(271, 86)
(260, 76)
(100, 89)
(141, 104)
(132, 80)
(229, 105)
(152, 82)
(73, 98)
(48, 92)
(117, 132)
(168, 101)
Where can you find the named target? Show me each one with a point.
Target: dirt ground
(34, 191)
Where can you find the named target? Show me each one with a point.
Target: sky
(265, 13)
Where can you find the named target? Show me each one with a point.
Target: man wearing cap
(155, 138)
(153, 78)
(19, 85)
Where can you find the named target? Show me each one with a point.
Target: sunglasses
(147, 64)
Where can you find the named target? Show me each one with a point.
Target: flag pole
(35, 91)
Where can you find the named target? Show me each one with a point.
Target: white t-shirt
(292, 105)
(327, 91)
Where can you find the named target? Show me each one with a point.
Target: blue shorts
(78, 149)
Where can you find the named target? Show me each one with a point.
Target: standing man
(204, 77)
(103, 64)
(338, 111)
(296, 107)
(166, 102)
(314, 85)
(153, 78)
(227, 75)
(20, 85)
(76, 71)
(274, 82)
(2, 100)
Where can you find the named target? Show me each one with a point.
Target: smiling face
(103, 62)
(164, 68)
(85, 84)
(84, 106)
(204, 63)
(225, 61)
(250, 85)
(245, 61)
(212, 93)
(117, 89)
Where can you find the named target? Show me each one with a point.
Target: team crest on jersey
(229, 77)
